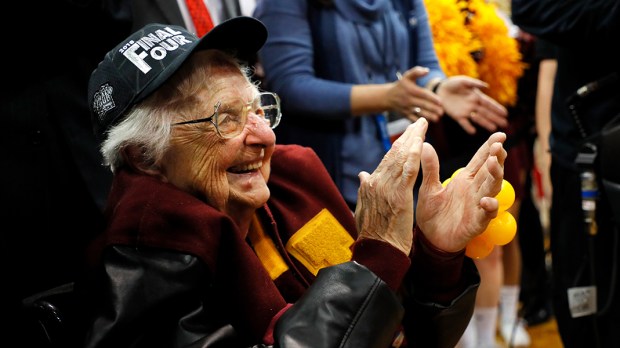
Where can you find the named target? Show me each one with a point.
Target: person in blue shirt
(349, 70)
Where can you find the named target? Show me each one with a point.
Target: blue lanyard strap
(381, 121)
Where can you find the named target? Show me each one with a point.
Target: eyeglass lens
(270, 103)
(230, 119)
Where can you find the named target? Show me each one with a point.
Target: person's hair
(148, 123)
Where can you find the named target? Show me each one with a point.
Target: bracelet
(436, 86)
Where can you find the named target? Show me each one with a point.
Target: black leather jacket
(340, 309)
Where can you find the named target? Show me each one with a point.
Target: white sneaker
(515, 335)
(469, 338)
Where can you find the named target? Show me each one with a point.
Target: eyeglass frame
(246, 108)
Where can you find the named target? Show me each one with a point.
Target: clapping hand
(464, 101)
(451, 216)
(385, 201)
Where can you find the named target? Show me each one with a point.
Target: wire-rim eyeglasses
(230, 119)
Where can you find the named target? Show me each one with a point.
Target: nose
(258, 130)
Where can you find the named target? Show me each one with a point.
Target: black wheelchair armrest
(49, 316)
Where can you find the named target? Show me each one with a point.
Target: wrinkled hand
(412, 101)
(463, 101)
(385, 200)
(450, 217)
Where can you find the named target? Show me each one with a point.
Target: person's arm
(288, 59)
(288, 62)
(542, 151)
(401, 96)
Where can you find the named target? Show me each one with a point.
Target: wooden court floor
(543, 335)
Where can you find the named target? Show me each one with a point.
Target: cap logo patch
(156, 45)
(102, 100)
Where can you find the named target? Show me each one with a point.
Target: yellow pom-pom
(502, 229)
(479, 247)
(506, 196)
(456, 172)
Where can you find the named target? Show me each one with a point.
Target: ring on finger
(472, 114)
(417, 110)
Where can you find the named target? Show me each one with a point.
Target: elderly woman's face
(230, 174)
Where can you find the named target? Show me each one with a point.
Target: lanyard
(381, 121)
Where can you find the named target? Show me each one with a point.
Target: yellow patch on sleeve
(321, 242)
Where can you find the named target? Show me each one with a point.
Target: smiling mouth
(247, 168)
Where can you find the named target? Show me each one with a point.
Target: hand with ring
(407, 98)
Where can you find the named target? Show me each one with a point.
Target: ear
(135, 159)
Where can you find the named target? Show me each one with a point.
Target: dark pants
(573, 252)
(535, 277)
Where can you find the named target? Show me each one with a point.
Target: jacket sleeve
(430, 323)
(438, 290)
(349, 306)
(346, 306)
(439, 294)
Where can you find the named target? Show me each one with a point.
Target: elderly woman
(217, 236)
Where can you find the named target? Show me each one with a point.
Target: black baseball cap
(147, 58)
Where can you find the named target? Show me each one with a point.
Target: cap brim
(242, 36)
